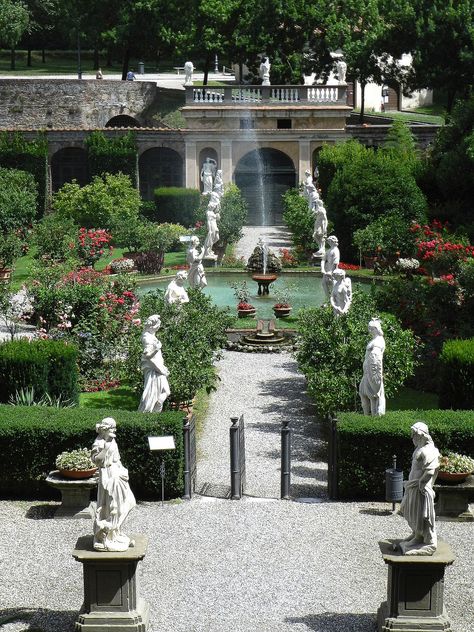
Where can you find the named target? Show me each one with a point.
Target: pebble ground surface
(216, 565)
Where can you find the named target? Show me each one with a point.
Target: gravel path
(276, 237)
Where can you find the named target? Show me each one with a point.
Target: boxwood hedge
(32, 437)
(366, 445)
(456, 362)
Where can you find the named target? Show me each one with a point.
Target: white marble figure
(371, 388)
(219, 184)
(313, 197)
(175, 292)
(341, 68)
(155, 374)
(196, 274)
(208, 172)
(341, 297)
(265, 71)
(417, 506)
(212, 217)
(329, 263)
(308, 184)
(320, 229)
(188, 73)
(114, 496)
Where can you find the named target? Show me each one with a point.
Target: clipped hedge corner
(456, 380)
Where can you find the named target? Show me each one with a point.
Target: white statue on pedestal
(320, 229)
(207, 175)
(313, 197)
(188, 73)
(265, 71)
(196, 274)
(341, 297)
(175, 292)
(212, 217)
(114, 496)
(417, 506)
(341, 68)
(156, 388)
(308, 185)
(219, 184)
(371, 388)
(329, 263)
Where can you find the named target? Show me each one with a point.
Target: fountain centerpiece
(264, 264)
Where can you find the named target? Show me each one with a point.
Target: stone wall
(73, 103)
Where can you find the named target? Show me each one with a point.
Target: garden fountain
(265, 338)
(264, 264)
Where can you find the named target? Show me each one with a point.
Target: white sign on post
(161, 443)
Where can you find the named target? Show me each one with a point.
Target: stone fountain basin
(265, 278)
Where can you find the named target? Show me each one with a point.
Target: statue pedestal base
(415, 590)
(111, 603)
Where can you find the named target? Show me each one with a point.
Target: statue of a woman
(341, 297)
(156, 388)
(196, 274)
(329, 263)
(114, 496)
(417, 506)
(320, 229)
(175, 292)
(207, 175)
(265, 71)
(219, 184)
(212, 216)
(188, 73)
(371, 389)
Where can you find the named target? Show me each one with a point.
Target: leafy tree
(300, 221)
(14, 20)
(43, 20)
(18, 191)
(331, 353)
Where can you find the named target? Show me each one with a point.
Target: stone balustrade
(267, 95)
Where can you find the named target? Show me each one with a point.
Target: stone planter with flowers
(76, 464)
(242, 294)
(454, 467)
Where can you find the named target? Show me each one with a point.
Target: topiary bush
(32, 437)
(366, 446)
(175, 205)
(456, 374)
(47, 366)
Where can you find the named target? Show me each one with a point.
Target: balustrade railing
(267, 95)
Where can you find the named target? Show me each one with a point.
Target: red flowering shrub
(243, 305)
(92, 243)
(288, 259)
(348, 266)
(83, 276)
(436, 251)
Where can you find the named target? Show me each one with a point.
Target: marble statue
(320, 227)
(371, 389)
(115, 499)
(308, 184)
(175, 292)
(341, 297)
(313, 197)
(341, 68)
(188, 73)
(329, 263)
(207, 175)
(265, 71)
(417, 506)
(156, 388)
(212, 217)
(196, 274)
(219, 184)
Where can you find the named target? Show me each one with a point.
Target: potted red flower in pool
(242, 294)
(282, 308)
(454, 467)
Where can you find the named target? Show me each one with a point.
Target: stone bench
(453, 500)
(75, 495)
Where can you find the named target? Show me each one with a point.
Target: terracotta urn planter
(245, 309)
(78, 473)
(453, 477)
(282, 311)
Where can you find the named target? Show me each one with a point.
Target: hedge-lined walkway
(267, 389)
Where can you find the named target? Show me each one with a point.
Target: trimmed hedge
(456, 366)
(47, 366)
(366, 446)
(112, 155)
(32, 437)
(175, 205)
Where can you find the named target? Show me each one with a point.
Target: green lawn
(414, 116)
(409, 399)
(122, 398)
(57, 62)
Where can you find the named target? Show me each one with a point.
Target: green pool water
(306, 290)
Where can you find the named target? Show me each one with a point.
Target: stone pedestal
(415, 600)
(453, 501)
(111, 602)
(75, 495)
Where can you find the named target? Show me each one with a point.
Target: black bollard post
(187, 459)
(285, 461)
(235, 480)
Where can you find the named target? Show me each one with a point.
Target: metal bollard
(187, 459)
(285, 461)
(235, 478)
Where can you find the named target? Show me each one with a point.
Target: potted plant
(242, 294)
(282, 307)
(76, 464)
(454, 467)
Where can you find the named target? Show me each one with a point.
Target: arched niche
(263, 175)
(123, 120)
(159, 167)
(68, 164)
(208, 152)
